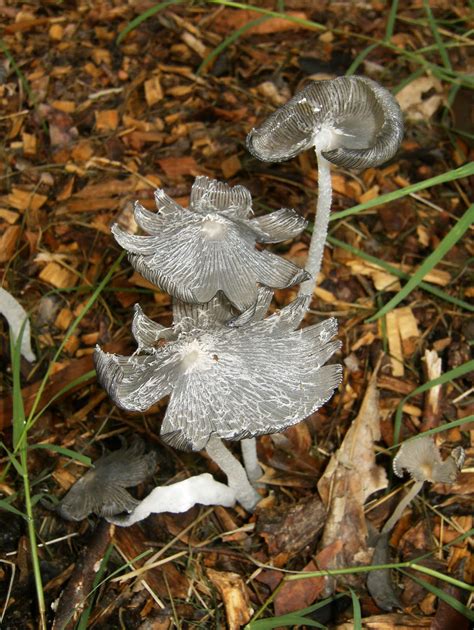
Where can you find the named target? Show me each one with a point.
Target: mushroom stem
(237, 478)
(390, 524)
(249, 455)
(320, 227)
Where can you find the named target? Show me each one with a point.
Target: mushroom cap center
(214, 227)
(195, 356)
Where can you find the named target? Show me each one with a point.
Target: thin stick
(320, 228)
(235, 472)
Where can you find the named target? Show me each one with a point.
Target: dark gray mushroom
(352, 122)
(102, 489)
(195, 253)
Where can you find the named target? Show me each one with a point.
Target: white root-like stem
(320, 228)
(249, 455)
(179, 497)
(237, 478)
(393, 520)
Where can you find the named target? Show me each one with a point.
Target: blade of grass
(431, 261)
(66, 452)
(357, 619)
(4, 505)
(463, 171)
(457, 372)
(446, 597)
(135, 23)
(437, 37)
(429, 288)
(228, 41)
(444, 427)
(392, 16)
(84, 620)
(262, 624)
(21, 444)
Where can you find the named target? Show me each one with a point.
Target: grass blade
(463, 171)
(66, 452)
(228, 41)
(131, 26)
(446, 597)
(431, 261)
(426, 286)
(357, 619)
(437, 37)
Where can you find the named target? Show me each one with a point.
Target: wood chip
(64, 319)
(230, 166)
(26, 200)
(234, 595)
(59, 277)
(106, 120)
(9, 216)
(8, 242)
(395, 344)
(409, 332)
(177, 166)
(153, 91)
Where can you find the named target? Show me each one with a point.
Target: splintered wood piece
(8, 242)
(153, 91)
(235, 596)
(59, 277)
(177, 166)
(26, 200)
(395, 344)
(409, 331)
(432, 408)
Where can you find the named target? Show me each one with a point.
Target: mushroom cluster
(230, 371)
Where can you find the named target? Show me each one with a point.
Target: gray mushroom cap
(354, 121)
(102, 489)
(232, 382)
(422, 460)
(195, 253)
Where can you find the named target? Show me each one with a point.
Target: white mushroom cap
(422, 460)
(353, 121)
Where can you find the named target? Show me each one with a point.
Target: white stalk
(237, 478)
(249, 455)
(321, 222)
(390, 524)
(179, 497)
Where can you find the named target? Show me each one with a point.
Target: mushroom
(352, 122)
(195, 253)
(421, 458)
(228, 382)
(102, 489)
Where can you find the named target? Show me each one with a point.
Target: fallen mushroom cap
(421, 458)
(354, 121)
(225, 381)
(194, 253)
(102, 489)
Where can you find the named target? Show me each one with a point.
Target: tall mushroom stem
(249, 455)
(237, 478)
(390, 524)
(320, 228)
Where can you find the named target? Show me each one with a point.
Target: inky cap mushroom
(195, 253)
(353, 121)
(422, 460)
(229, 382)
(102, 489)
